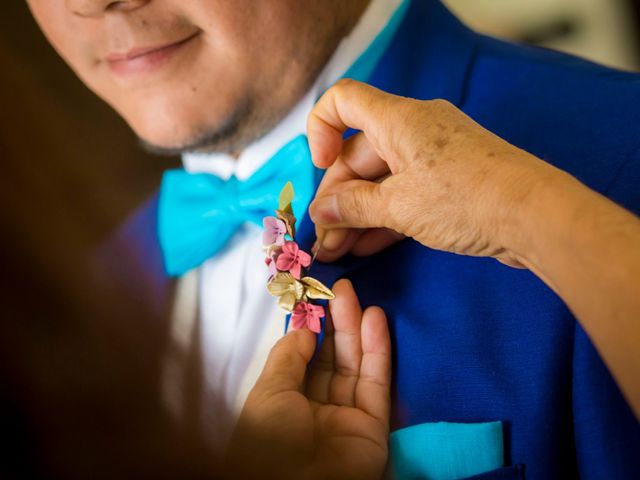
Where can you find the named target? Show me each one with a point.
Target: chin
(170, 127)
(164, 144)
(163, 133)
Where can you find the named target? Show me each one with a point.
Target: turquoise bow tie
(199, 213)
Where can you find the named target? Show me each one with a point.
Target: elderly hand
(331, 421)
(425, 170)
(421, 169)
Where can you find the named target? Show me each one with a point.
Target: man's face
(197, 74)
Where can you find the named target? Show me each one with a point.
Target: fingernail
(325, 211)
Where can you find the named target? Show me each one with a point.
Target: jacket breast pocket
(450, 451)
(514, 472)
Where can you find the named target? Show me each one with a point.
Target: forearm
(587, 249)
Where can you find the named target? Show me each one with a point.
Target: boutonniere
(288, 266)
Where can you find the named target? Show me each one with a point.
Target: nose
(97, 8)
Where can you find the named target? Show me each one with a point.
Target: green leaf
(286, 197)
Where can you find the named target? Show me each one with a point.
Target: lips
(146, 59)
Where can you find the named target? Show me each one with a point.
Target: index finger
(348, 104)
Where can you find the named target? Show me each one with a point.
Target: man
(170, 82)
(489, 350)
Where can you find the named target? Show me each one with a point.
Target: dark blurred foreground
(79, 360)
(80, 372)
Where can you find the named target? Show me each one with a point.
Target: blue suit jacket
(474, 340)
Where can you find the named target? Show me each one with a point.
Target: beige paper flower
(288, 289)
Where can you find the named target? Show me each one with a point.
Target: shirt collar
(223, 165)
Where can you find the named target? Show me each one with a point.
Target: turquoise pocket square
(446, 451)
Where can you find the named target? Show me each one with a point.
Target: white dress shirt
(226, 298)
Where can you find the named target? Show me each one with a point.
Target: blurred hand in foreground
(328, 421)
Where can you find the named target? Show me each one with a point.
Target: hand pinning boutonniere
(288, 265)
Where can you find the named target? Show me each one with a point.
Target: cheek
(203, 90)
(174, 110)
(249, 37)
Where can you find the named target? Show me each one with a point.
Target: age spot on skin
(431, 163)
(491, 154)
(441, 142)
(483, 173)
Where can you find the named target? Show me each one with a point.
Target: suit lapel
(131, 261)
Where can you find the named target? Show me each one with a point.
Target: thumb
(358, 204)
(286, 365)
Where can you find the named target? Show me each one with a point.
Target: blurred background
(605, 31)
(71, 172)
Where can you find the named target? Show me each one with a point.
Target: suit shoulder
(562, 64)
(131, 259)
(546, 78)
(580, 116)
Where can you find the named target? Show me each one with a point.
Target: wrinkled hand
(420, 169)
(331, 421)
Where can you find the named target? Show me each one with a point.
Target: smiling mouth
(146, 59)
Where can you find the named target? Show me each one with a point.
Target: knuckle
(372, 209)
(345, 82)
(360, 204)
(440, 104)
(348, 205)
(342, 86)
(347, 371)
(381, 208)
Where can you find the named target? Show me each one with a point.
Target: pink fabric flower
(274, 231)
(271, 266)
(292, 259)
(307, 315)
